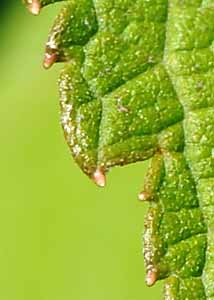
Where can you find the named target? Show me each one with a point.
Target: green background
(61, 236)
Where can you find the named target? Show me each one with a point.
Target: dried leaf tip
(49, 60)
(151, 278)
(144, 196)
(99, 178)
(34, 7)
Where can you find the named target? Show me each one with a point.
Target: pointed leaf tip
(144, 196)
(49, 60)
(151, 278)
(99, 178)
(34, 7)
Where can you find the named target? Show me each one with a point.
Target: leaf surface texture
(138, 83)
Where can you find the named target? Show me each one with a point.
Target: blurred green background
(61, 237)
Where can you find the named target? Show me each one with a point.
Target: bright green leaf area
(137, 84)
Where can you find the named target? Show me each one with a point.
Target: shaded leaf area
(138, 83)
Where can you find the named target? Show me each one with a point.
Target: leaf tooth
(145, 196)
(151, 277)
(99, 178)
(49, 59)
(153, 179)
(34, 7)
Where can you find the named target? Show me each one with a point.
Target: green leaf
(138, 83)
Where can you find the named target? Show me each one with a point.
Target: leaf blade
(137, 84)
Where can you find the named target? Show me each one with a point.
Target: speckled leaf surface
(138, 83)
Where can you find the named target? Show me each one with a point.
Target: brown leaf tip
(151, 277)
(34, 7)
(99, 178)
(144, 196)
(49, 60)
